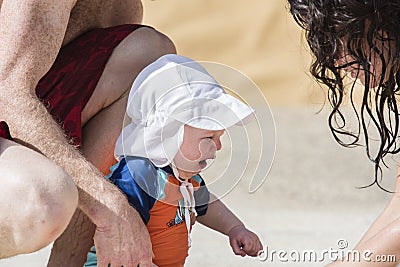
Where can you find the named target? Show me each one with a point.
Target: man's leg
(37, 200)
(103, 117)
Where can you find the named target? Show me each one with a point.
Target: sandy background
(309, 200)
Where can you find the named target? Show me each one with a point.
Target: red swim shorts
(68, 85)
(4, 131)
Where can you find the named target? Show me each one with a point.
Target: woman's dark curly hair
(368, 31)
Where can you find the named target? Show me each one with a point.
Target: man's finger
(103, 262)
(116, 263)
(147, 264)
(130, 264)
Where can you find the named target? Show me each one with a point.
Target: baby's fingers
(252, 247)
(237, 248)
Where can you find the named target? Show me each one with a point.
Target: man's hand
(122, 239)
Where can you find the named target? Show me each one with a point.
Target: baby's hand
(244, 242)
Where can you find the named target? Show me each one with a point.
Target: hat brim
(222, 113)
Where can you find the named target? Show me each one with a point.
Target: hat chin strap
(187, 191)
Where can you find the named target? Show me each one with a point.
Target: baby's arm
(220, 218)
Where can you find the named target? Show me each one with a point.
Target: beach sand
(309, 200)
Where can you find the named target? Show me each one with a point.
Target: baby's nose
(218, 145)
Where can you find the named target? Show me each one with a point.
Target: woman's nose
(340, 61)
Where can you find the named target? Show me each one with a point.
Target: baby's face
(198, 145)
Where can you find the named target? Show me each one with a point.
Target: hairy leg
(103, 117)
(37, 201)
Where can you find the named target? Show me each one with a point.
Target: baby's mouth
(203, 163)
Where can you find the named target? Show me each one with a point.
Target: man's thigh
(37, 199)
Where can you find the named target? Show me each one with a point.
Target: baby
(177, 114)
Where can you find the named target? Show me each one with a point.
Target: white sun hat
(167, 94)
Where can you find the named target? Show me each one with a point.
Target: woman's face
(356, 71)
(198, 145)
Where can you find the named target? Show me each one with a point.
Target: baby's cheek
(191, 153)
(207, 148)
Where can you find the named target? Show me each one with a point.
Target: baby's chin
(187, 174)
(192, 170)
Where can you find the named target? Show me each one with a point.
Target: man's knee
(166, 44)
(142, 47)
(156, 42)
(57, 201)
(38, 200)
(35, 214)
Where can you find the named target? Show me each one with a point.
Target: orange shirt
(155, 194)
